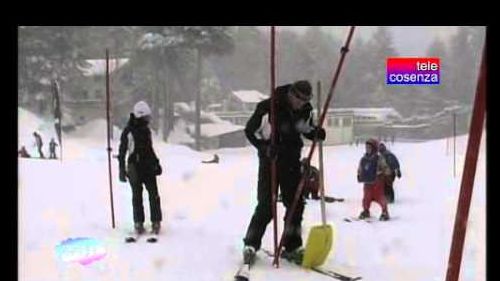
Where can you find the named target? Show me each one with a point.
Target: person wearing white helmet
(141, 109)
(142, 166)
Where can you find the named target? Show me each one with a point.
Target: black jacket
(391, 160)
(290, 125)
(136, 140)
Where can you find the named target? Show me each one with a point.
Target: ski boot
(248, 255)
(296, 256)
(156, 227)
(384, 216)
(139, 227)
(364, 215)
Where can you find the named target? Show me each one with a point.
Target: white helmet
(141, 109)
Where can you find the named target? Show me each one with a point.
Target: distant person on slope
(214, 160)
(141, 167)
(372, 171)
(23, 153)
(39, 144)
(52, 149)
(311, 184)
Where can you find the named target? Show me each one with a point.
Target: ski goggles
(299, 95)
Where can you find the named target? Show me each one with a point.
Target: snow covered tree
(247, 67)
(438, 49)
(46, 53)
(293, 59)
(208, 41)
(171, 51)
(380, 47)
(465, 56)
(323, 49)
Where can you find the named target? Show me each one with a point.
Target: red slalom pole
(468, 175)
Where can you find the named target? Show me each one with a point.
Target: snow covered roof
(214, 106)
(379, 112)
(182, 107)
(98, 66)
(416, 126)
(217, 129)
(250, 96)
(188, 112)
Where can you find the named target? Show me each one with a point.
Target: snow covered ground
(207, 207)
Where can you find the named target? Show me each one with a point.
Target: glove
(123, 175)
(319, 133)
(158, 170)
(306, 166)
(398, 173)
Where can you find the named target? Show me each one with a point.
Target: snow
(216, 129)
(410, 126)
(179, 134)
(98, 66)
(28, 123)
(380, 113)
(95, 129)
(188, 112)
(250, 96)
(206, 209)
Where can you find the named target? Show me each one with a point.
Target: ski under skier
(142, 166)
(293, 119)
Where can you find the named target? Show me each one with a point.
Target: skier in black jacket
(393, 163)
(142, 166)
(293, 119)
(39, 144)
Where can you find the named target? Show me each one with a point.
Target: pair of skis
(368, 220)
(153, 238)
(243, 273)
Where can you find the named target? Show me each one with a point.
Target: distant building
(343, 125)
(214, 131)
(432, 126)
(339, 126)
(370, 121)
(219, 135)
(243, 100)
(239, 106)
(91, 91)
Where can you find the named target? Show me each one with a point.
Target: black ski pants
(137, 179)
(288, 170)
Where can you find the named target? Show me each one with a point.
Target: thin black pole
(109, 141)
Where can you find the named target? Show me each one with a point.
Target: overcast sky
(408, 40)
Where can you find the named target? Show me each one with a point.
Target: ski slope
(206, 209)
